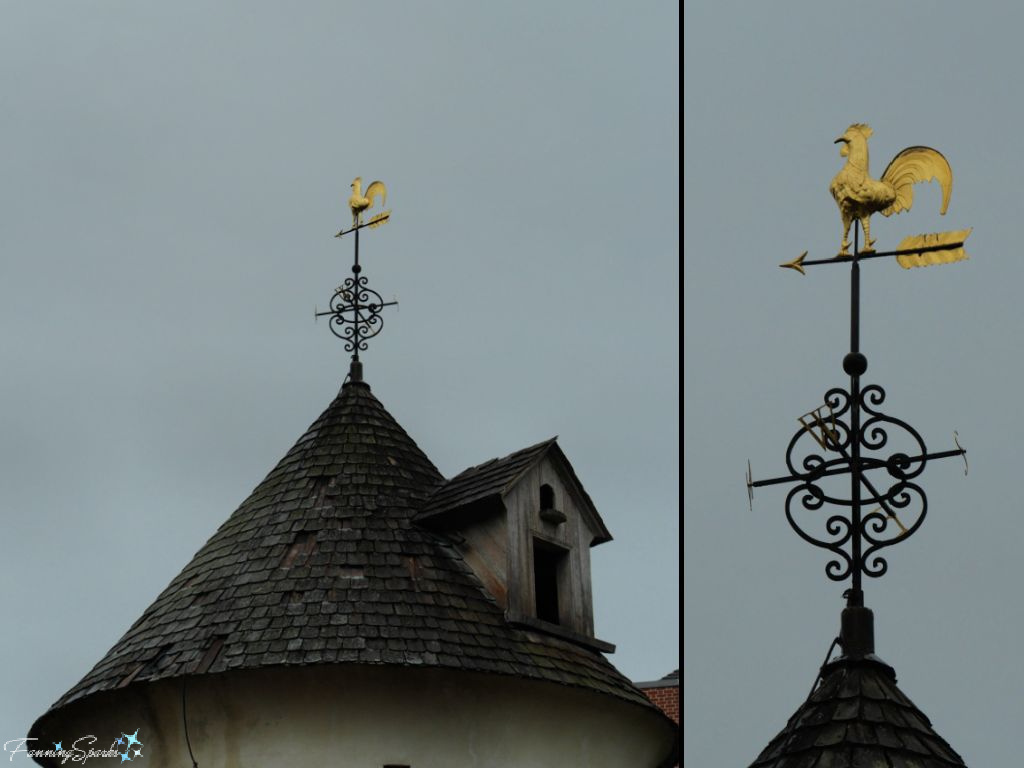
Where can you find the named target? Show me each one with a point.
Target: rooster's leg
(844, 248)
(865, 224)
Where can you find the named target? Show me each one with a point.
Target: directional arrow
(914, 251)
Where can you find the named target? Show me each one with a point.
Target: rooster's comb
(863, 128)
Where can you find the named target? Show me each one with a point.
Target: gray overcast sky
(172, 176)
(768, 87)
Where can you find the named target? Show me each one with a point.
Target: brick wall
(667, 699)
(664, 694)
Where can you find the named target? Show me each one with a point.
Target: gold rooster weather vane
(359, 202)
(355, 308)
(858, 196)
(848, 435)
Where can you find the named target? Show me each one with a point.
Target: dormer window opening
(550, 564)
(547, 497)
(547, 506)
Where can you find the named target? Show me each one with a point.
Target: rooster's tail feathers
(377, 188)
(914, 165)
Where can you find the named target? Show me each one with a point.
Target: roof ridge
(507, 456)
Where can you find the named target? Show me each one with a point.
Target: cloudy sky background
(172, 176)
(768, 87)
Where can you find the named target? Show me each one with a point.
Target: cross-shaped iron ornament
(355, 307)
(848, 435)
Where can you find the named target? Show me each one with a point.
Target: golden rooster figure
(360, 202)
(859, 196)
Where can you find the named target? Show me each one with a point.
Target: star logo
(57, 745)
(128, 741)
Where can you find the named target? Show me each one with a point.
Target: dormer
(525, 525)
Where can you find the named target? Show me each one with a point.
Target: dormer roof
(482, 487)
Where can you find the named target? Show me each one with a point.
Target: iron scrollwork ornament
(813, 456)
(356, 313)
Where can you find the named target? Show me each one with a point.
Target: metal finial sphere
(855, 364)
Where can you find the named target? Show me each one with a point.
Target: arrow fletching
(930, 258)
(380, 218)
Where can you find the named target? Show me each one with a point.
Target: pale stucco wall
(368, 717)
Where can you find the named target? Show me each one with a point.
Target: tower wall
(369, 717)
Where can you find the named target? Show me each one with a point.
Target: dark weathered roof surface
(858, 717)
(324, 564)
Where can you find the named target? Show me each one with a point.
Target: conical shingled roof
(323, 564)
(856, 718)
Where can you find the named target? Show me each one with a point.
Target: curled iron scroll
(836, 526)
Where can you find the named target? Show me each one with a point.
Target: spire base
(857, 633)
(857, 639)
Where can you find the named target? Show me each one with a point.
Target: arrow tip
(796, 263)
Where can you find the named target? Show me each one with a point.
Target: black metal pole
(355, 307)
(844, 438)
(356, 269)
(852, 365)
